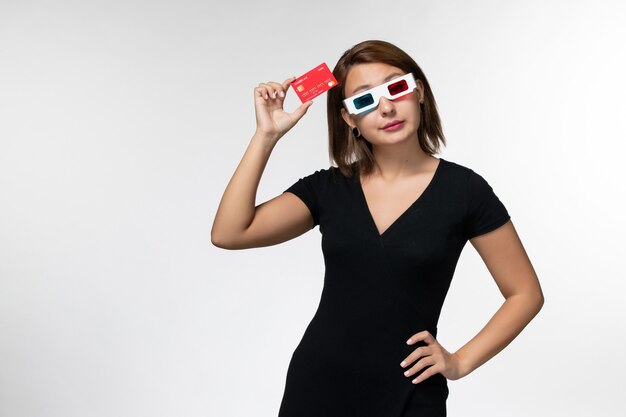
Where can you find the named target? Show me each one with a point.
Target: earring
(356, 132)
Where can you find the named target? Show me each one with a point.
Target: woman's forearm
(237, 206)
(510, 319)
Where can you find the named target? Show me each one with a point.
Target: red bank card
(313, 83)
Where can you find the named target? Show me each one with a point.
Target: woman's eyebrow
(366, 86)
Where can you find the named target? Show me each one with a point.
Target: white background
(122, 122)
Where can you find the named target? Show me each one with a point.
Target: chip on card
(313, 83)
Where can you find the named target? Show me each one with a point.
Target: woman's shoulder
(322, 172)
(476, 185)
(453, 166)
(459, 171)
(330, 172)
(318, 177)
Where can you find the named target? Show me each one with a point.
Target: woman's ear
(420, 87)
(347, 118)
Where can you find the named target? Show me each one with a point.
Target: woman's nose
(385, 106)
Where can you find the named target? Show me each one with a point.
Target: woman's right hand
(271, 119)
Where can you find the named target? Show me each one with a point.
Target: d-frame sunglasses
(368, 100)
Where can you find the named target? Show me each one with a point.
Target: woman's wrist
(265, 137)
(464, 366)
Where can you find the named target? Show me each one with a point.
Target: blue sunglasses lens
(363, 101)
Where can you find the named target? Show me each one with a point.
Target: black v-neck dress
(380, 289)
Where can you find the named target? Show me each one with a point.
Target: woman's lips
(395, 125)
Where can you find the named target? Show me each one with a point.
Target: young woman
(394, 220)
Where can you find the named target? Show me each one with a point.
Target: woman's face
(403, 111)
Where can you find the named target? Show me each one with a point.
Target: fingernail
(403, 363)
(408, 342)
(282, 94)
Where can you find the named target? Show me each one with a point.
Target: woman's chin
(394, 139)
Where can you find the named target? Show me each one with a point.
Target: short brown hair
(355, 156)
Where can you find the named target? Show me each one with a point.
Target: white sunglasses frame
(378, 92)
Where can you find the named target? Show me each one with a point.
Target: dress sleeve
(485, 212)
(307, 189)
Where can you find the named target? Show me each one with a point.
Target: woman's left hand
(434, 356)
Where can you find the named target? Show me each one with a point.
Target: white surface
(122, 122)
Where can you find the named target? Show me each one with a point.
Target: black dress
(379, 290)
